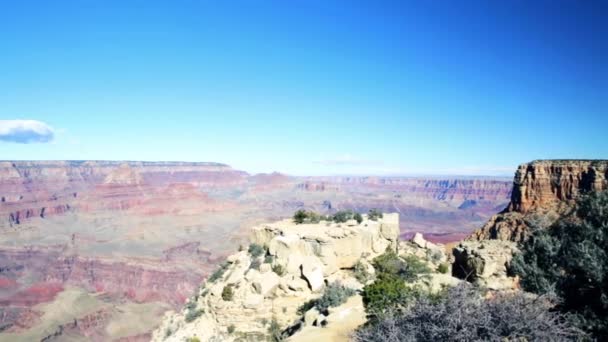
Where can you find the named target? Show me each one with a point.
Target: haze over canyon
(86, 246)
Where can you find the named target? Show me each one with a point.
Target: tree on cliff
(571, 260)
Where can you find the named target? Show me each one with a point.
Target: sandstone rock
(266, 283)
(545, 189)
(297, 284)
(484, 261)
(311, 316)
(264, 268)
(311, 255)
(312, 271)
(419, 240)
(253, 300)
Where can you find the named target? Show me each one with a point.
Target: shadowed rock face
(542, 191)
(145, 232)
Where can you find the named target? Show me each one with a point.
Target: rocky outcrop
(543, 190)
(300, 260)
(485, 262)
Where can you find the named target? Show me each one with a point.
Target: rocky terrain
(543, 191)
(297, 262)
(137, 236)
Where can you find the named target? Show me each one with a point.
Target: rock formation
(542, 191)
(299, 262)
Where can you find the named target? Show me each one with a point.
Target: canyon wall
(142, 233)
(542, 191)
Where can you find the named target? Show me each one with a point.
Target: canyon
(134, 239)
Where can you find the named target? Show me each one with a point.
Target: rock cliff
(296, 263)
(542, 191)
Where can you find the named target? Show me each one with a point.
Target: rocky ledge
(286, 266)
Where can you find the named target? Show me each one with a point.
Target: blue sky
(307, 87)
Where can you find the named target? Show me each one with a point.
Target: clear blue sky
(309, 87)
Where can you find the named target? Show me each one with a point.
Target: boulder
(266, 283)
(419, 240)
(485, 262)
(311, 316)
(312, 271)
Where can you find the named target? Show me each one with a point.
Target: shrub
(570, 258)
(227, 293)
(407, 269)
(191, 315)
(279, 270)
(255, 264)
(374, 214)
(335, 294)
(443, 268)
(343, 216)
(231, 328)
(256, 250)
(387, 293)
(361, 273)
(462, 314)
(193, 339)
(218, 273)
(358, 218)
(269, 259)
(303, 216)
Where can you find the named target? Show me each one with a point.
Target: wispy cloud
(26, 131)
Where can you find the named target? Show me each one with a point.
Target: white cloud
(26, 131)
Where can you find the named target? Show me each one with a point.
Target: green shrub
(269, 259)
(255, 264)
(191, 315)
(361, 273)
(231, 328)
(256, 250)
(387, 293)
(303, 216)
(193, 339)
(279, 270)
(218, 273)
(443, 268)
(343, 216)
(227, 293)
(407, 268)
(334, 295)
(358, 218)
(374, 214)
(570, 258)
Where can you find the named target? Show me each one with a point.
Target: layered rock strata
(543, 190)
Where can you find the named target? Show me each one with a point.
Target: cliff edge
(543, 190)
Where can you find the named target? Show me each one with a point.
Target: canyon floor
(85, 245)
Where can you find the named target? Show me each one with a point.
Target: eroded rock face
(542, 190)
(309, 255)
